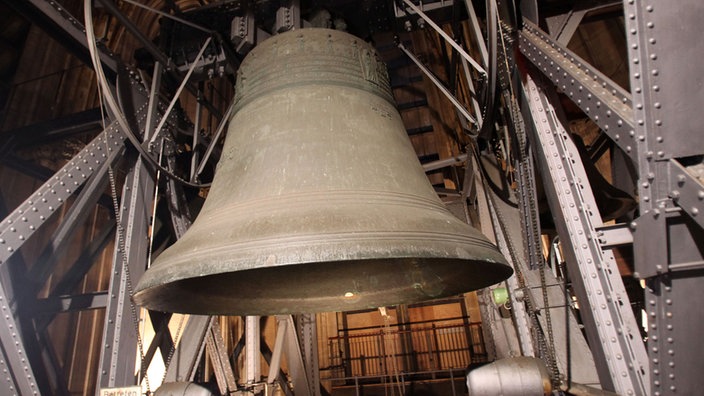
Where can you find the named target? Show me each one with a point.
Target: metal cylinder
(517, 376)
(319, 202)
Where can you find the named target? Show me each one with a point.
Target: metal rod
(252, 353)
(132, 28)
(449, 39)
(439, 84)
(474, 23)
(687, 266)
(472, 94)
(152, 223)
(196, 132)
(178, 91)
(153, 99)
(275, 364)
(218, 132)
(430, 166)
(167, 15)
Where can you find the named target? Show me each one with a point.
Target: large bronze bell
(319, 202)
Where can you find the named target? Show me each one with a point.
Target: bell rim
(181, 296)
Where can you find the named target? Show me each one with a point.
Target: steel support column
(308, 337)
(121, 335)
(669, 234)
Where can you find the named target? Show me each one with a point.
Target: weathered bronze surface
(319, 202)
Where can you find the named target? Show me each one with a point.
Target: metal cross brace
(611, 327)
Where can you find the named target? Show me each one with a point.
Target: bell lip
(278, 251)
(260, 292)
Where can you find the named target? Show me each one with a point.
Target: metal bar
(169, 16)
(77, 214)
(296, 366)
(78, 270)
(29, 168)
(605, 102)
(449, 39)
(153, 49)
(443, 163)
(155, 201)
(218, 369)
(184, 362)
(221, 126)
(527, 195)
(611, 327)
(477, 31)
(666, 102)
(518, 311)
(252, 352)
(479, 38)
(19, 377)
(188, 352)
(221, 356)
(438, 84)
(196, 134)
(54, 305)
(472, 94)
(308, 338)
(599, 146)
(177, 94)
(492, 34)
(499, 334)
(178, 207)
(152, 111)
(669, 244)
(275, 364)
(614, 235)
(30, 215)
(120, 336)
(162, 337)
(686, 190)
(59, 128)
(569, 25)
(54, 372)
